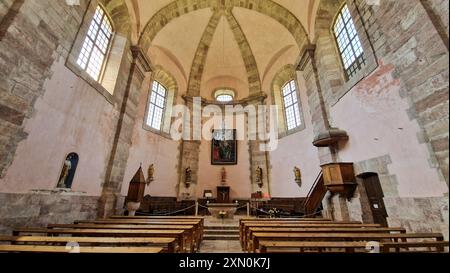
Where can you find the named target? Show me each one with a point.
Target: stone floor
(220, 247)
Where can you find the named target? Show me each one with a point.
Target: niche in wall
(68, 171)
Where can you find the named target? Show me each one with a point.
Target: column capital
(306, 54)
(141, 59)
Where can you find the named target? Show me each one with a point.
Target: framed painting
(224, 147)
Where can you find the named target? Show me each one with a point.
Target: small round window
(224, 95)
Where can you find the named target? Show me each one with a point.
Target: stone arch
(120, 15)
(284, 75)
(181, 7)
(327, 55)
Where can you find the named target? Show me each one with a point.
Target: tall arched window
(96, 44)
(291, 105)
(350, 48)
(157, 106)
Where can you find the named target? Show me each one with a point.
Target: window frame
(226, 91)
(283, 101)
(149, 103)
(107, 17)
(361, 60)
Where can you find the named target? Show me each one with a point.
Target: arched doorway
(374, 192)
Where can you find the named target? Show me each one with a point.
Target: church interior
(224, 126)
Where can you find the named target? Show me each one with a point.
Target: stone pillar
(190, 152)
(335, 206)
(258, 158)
(319, 114)
(114, 177)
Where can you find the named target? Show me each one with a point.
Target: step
(222, 227)
(221, 237)
(221, 232)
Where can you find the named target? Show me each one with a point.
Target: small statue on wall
(259, 176)
(188, 177)
(223, 176)
(298, 176)
(150, 173)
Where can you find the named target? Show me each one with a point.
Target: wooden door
(375, 195)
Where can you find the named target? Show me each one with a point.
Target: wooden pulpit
(223, 195)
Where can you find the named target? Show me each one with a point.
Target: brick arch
(119, 13)
(181, 7)
(165, 78)
(327, 54)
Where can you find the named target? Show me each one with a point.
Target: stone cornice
(260, 97)
(141, 59)
(306, 54)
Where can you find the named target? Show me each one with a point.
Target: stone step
(209, 237)
(221, 232)
(222, 227)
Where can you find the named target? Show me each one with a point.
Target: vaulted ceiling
(212, 44)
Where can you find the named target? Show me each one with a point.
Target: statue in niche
(68, 171)
(259, 176)
(188, 177)
(224, 176)
(150, 173)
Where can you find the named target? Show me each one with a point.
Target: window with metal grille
(96, 44)
(157, 105)
(350, 48)
(224, 95)
(291, 105)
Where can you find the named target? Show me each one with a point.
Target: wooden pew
(188, 228)
(86, 249)
(385, 247)
(166, 218)
(197, 231)
(178, 234)
(270, 236)
(166, 243)
(252, 230)
(246, 225)
(293, 221)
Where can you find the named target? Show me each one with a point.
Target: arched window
(350, 48)
(96, 44)
(291, 105)
(157, 106)
(224, 95)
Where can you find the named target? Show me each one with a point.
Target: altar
(223, 211)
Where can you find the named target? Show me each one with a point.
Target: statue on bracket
(150, 173)
(259, 176)
(298, 176)
(223, 177)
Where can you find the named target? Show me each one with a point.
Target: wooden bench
(178, 234)
(165, 218)
(245, 226)
(86, 249)
(284, 247)
(379, 237)
(190, 234)
(197, 230)
(252, 230)
(292, 221)
(167, 243)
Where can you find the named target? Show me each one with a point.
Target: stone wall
(396, 113)
(40, 209)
